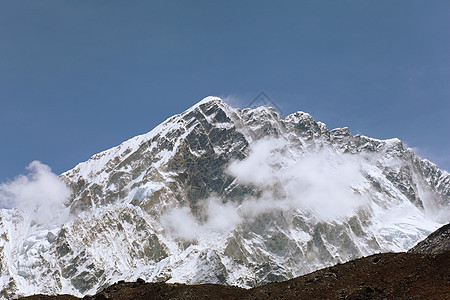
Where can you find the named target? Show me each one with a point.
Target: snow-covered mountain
(225, 195)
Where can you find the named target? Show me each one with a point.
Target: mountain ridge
(223, 195)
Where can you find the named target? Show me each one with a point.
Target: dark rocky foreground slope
(379, 276)
(435, 243)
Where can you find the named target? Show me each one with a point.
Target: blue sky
(79, 77)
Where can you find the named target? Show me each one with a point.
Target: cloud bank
(220, 219)
(40, 194)
(322, 183)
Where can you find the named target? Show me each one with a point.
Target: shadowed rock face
(380, 276)
(123, 198)
(435, 243)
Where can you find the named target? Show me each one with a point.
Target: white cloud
(235, 101)
(260, 167)
(40, 193)
(320, 183)
(181, 223)
(221, 218)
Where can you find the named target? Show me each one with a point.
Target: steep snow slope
(224, 195)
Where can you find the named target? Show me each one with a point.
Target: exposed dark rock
(435, 243)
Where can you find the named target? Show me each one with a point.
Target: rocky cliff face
(230, 196)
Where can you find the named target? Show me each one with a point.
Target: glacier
(224, 195)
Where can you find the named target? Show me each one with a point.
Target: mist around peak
(321, 184)
(40, 194)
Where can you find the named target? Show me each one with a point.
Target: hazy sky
(79, 77)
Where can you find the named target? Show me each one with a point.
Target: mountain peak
(245, 196)
(211, 101)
